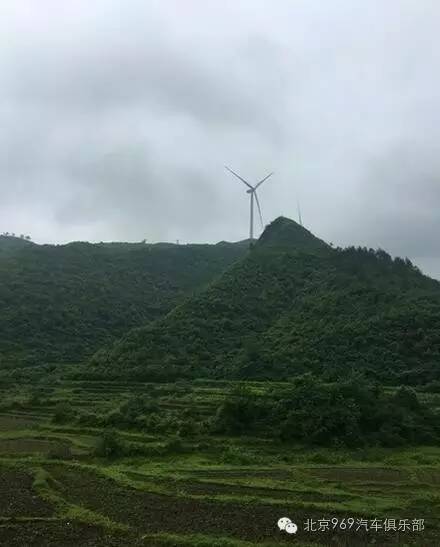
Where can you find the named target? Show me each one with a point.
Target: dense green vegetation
(290, 306)
(293, 379)
(61, 303)
(352, 412)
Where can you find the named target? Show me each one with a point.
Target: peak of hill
(286, 309)
(62, 302)
(284, 232)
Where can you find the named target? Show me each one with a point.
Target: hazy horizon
(201, 242)
(117, 119)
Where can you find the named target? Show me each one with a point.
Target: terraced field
(58, 489)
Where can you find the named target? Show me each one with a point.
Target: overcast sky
(117, 116)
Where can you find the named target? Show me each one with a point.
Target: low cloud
(117, 118)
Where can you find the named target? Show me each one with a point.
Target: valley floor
(203, 491)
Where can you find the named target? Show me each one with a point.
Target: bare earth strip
(17, 497)
(62, 534)
(154, 513)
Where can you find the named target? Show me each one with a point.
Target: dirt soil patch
(63, 534)
(30, 446)
(18, 498)
(153, 513)
(13, 423)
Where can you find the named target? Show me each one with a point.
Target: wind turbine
(252, 191)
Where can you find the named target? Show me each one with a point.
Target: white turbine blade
(259, 209)
(261, 181)
(238, 176)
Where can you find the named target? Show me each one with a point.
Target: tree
(109, 445)
(63, 412)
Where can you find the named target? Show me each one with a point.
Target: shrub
(233, 455)
(188, 428)
(89, 419)
(407, 398)
(109, 445)
(34, 399)
(174, 445)
(238, 412)
(432, 387)
(135, 407)
(63, 412)
(352, 412)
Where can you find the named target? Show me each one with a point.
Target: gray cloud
(116, 119)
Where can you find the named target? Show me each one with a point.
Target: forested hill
(62, 302)
(294, 304)
(12, 244)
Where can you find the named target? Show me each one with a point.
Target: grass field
(57, 489)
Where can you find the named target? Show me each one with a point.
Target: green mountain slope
(61, 303)
(11, 244)
(294, 304)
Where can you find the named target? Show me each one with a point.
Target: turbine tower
(299, 212)
(252, 191)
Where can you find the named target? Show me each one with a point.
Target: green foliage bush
(239, 412)
(350, 413)
(234, 455)
(174, 445)
(134, 412)
(35, 399)
(432, 387)
(63, 412)
(109, 445)
(90, 419)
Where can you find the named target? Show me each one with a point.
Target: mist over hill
(291, 305)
